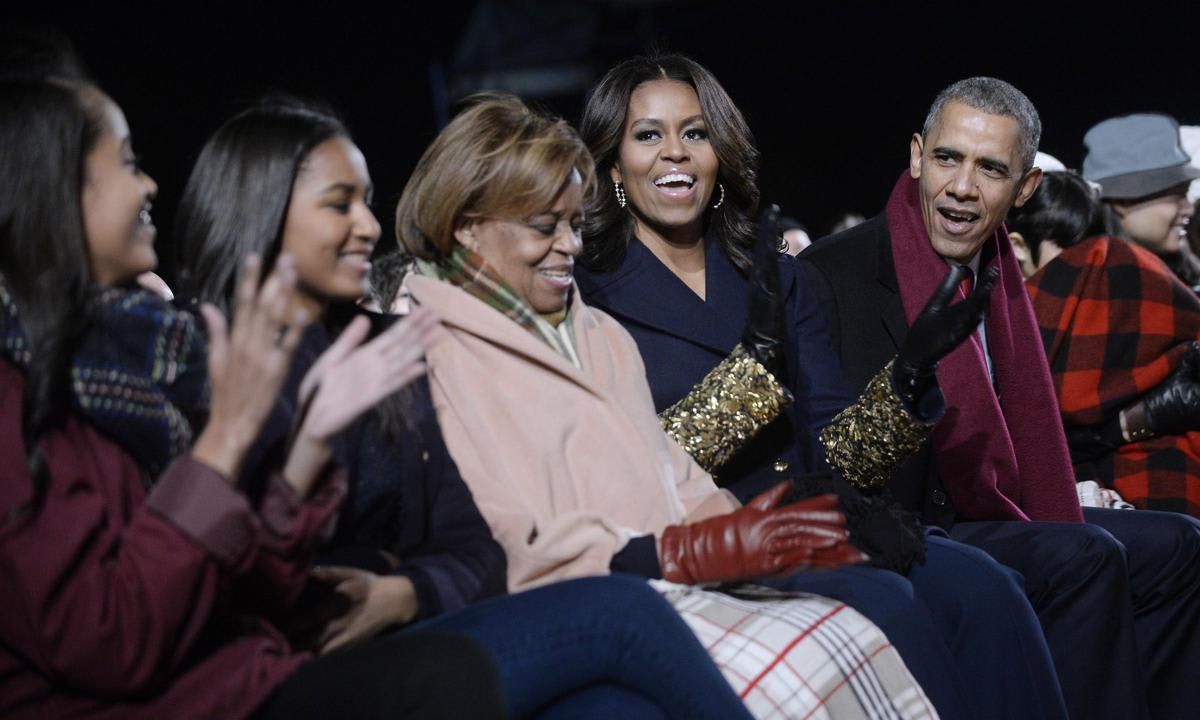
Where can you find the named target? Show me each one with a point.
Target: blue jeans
(1163, 556)
(612, 641)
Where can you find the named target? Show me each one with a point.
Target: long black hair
(237, 196)
(609, 227)
(236, 202)
(47, 130)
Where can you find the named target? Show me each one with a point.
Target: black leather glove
(764, 333)
(1089, 443)
(1173, 406)
(939, 328)
(878, 526)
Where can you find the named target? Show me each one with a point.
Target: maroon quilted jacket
(119, 604)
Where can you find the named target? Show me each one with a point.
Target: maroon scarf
(998, 462)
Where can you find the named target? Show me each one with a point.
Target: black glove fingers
(946, 290)
(764, 329)
(768, 232)
(985, 283)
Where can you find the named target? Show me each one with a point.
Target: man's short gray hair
(994, 97)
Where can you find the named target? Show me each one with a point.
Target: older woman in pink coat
(545, 408)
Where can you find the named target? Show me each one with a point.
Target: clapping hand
(248, 361)
(350, 378)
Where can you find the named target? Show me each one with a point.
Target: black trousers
(1163, 555)
(1119, 601)
(397, 677)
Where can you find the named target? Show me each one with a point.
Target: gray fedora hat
(1136, 155)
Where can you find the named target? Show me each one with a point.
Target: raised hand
(248, 362)
(763, 334)
(939, 328)
(758, 540)
(350, 378)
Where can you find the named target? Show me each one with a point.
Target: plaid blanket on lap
(793, 655)
(1115, 323)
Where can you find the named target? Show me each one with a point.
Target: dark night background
(832, 92)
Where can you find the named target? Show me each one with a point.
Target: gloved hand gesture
(1173, 406)
(939, 328)
(759, 539)
(763, 334)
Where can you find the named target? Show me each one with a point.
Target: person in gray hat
(1143, 173)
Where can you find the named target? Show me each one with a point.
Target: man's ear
(916, 146)
(1029, 185)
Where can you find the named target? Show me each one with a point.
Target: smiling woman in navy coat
(682, 337)
(667, 252)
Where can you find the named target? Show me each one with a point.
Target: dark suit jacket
(854, 279)
(681, 338)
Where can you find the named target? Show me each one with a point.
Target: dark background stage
(832, 92)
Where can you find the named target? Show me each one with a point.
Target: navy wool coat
(682, 337)
(406, 497)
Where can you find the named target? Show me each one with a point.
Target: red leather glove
(758, 540)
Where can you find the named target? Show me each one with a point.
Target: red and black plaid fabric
(1115, 323)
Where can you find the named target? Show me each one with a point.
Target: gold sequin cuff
(867, 440)
(724, 410)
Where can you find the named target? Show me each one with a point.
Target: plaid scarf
(1000, 461)
(468, 270)
(1115, 323)
(140, 374)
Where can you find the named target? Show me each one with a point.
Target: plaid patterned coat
(1115, 323)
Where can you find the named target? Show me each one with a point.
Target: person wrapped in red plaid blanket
(1120, 335)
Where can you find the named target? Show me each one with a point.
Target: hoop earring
(721, 200)
(619, 189)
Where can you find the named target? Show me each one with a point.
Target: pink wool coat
(565, 464)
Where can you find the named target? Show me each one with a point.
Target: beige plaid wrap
(794, 655)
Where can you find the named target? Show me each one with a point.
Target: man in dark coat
(1116, 595)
